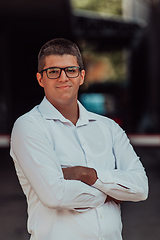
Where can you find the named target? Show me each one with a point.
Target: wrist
(89, 176)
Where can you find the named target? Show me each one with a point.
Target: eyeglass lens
(55, 72)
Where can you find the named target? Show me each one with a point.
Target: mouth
(64, 87)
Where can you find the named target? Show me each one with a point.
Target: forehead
(60, 61)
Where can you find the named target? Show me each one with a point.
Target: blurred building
(144, 67)
(136, 9)
(27, 25)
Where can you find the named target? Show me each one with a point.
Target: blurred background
(120, 45)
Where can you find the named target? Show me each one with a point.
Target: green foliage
(115, 60)
(106, 6)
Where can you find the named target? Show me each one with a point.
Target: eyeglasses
(55, 72)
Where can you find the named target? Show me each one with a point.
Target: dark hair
(59, 46)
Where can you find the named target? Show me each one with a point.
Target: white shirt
(43, 142)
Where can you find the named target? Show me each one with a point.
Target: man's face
(62, 90)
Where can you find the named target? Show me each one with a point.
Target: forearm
(128, 181)
(80, 173)
(125, 186)
(86, 175)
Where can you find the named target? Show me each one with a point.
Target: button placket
(86, 149)
(101, 220)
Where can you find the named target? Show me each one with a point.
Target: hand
(80, 173)
(109, 199)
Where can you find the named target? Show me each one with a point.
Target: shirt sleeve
(128, 182)
(36, 158)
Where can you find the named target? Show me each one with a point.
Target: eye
(53, 70)
(71, 69)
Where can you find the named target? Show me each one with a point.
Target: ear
(82, 77)
(40, 79)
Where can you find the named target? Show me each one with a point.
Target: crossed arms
(86, 175)
(38, 165)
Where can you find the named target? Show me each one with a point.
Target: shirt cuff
(105, 176)
(106, 183)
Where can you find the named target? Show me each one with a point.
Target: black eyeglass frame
(45, 70)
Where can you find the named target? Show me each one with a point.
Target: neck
(70, 112)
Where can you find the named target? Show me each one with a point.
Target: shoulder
(32, 115)
(28, 122)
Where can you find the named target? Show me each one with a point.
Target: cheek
(47, 84)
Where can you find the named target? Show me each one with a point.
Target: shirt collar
(48, 111)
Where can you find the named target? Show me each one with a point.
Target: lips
(64, 87)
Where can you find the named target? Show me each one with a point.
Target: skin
(80, 173)
(62, 94)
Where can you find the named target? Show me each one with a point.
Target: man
(74, 166)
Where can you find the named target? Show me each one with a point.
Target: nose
(63, 76)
